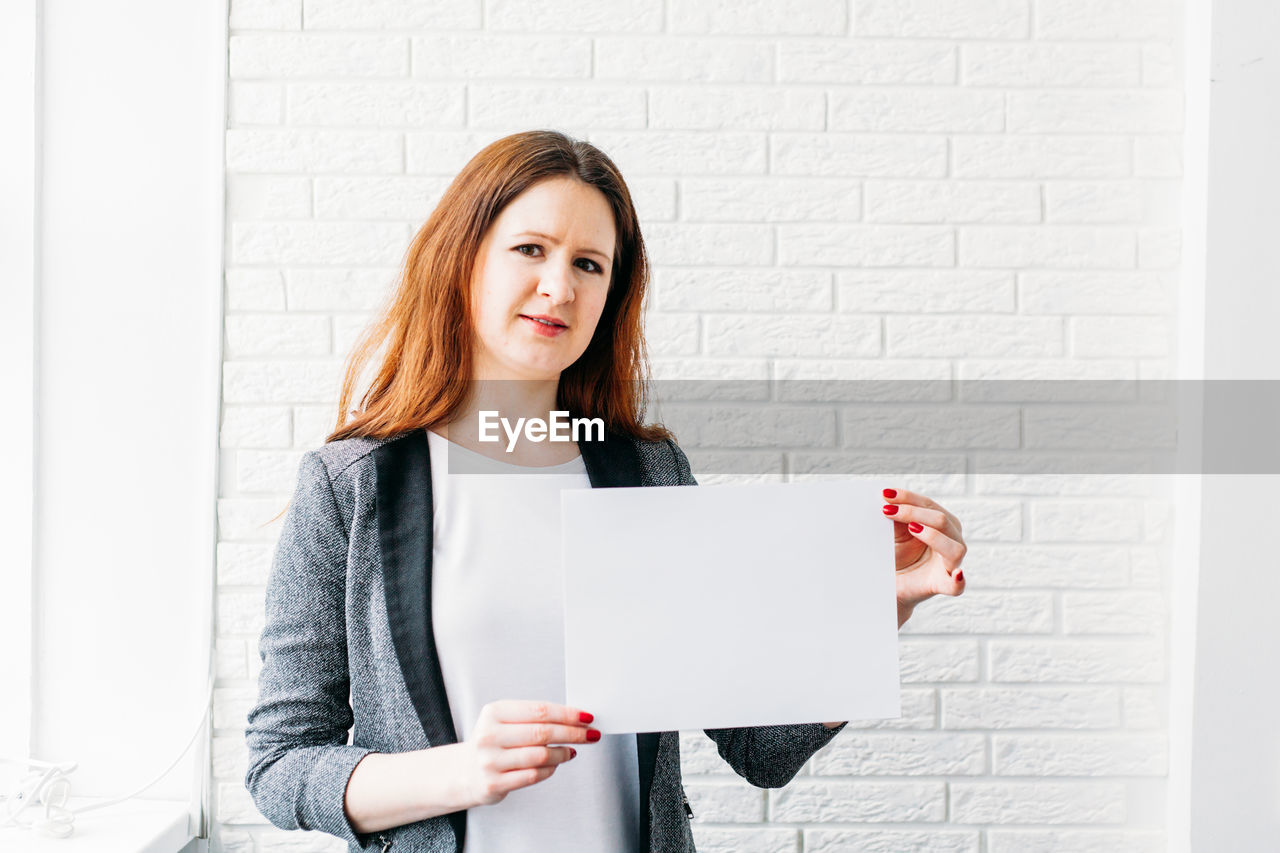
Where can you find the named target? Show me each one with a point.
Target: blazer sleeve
(766, 756)
(299, 760)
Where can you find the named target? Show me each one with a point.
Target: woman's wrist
(392, 789)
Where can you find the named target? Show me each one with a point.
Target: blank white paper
(691, 607)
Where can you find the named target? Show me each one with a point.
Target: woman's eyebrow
(553, 240)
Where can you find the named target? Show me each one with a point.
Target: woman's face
(548, 254)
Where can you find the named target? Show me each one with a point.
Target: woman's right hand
(509, 747)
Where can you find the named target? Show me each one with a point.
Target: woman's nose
(556, 285)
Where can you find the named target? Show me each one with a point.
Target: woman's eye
(595, 267)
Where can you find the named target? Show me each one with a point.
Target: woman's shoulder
(344, 454)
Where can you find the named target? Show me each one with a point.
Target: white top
(497, 605)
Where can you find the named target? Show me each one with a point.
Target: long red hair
(423, 378)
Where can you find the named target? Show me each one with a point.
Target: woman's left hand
(928, 548)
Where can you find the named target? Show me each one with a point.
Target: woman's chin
(532, 364)
(539, 371)
(541, 367)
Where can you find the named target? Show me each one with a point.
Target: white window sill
(134, 826)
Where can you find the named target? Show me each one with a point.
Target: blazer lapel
(404, 509)
(403, 469)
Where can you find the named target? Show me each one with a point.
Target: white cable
(48, 785)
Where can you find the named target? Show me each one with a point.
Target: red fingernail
(890, 509)
(593, 735)
(959, 577)
(915, 527)
(890, 493)
(572, 752)
(585, 717)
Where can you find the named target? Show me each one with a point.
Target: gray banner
(958, 427)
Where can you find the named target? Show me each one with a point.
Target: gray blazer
(348, 612)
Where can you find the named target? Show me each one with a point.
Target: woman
(433, 599)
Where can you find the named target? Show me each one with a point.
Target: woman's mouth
(545, 328)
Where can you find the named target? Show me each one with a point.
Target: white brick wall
(919, 188)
